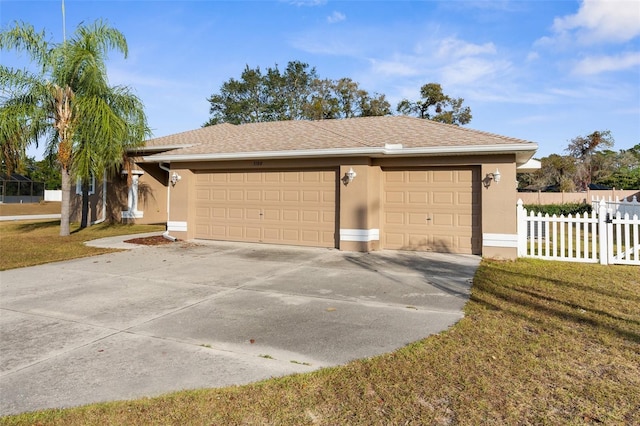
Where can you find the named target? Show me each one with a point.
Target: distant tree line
(298, 93)
(588, 163)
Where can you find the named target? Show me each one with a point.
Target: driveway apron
(209, 314)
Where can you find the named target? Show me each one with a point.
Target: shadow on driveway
(192, 315)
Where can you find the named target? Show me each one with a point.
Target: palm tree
(87, 123)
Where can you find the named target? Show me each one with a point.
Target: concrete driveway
(208, 314)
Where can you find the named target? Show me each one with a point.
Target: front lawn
(19, 209)
(28, 243)
(541, 343)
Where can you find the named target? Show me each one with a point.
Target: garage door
(432, 210)
(297, 207)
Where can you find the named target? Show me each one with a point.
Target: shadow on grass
(35, 226)
(525, 303)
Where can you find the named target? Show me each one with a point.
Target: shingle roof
(358, 134)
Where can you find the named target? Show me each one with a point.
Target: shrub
(559, 209)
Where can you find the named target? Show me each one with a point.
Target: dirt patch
(156, 240)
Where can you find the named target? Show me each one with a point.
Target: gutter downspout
(165, 234)
(104, 201)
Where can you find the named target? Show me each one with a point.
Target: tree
(435, 105)
(88, 124)
(45, 170)
(295, 94)
(583, 148)
(619, 170)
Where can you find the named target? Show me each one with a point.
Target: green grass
(28, 243)
(542, 343)
(18, 209)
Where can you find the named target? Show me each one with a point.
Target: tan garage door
(297, 207)
(432, 210)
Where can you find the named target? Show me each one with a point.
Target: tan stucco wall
(181, 216)
(359, 202)
(499, 225)
(360, 206)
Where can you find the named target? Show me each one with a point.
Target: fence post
(521, 229)
(601, 234)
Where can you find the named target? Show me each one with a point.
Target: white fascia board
(159, 148)
(348, 152)
(530, 166)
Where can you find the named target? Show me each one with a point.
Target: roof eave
(157, 148)
(523, 153)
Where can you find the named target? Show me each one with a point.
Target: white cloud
(394, 67)
(336, 17)
(318, 46)
(602, 21)
(306, 2)
(599, 64)
(454, 48)
(468, 71)
(533, 56)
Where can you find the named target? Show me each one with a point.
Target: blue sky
(544, 71)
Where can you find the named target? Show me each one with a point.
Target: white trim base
(136, 214)
(500, 240)
(361, 235)
(177, 226)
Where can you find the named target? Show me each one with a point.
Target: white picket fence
(606, 236)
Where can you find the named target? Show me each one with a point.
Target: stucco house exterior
(359, 184)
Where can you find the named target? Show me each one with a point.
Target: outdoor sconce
(349, 176)
(175, 178)
(495, 176)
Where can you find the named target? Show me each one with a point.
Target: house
(358, 184)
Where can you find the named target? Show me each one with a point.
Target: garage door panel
(254, 195)
(311, 196)
(445, 198)
(312, 237)
(394, 218)
(235, 213)
(203, 212)
(465, 220)
(252, 214)
(290, 235)
(464, 198)
(291, 215)
(418, 219)
(443, 176)
(443, 219)
(293, 196)
(235, 232)
(277, 207)
(395, 239)
(449, 198)
(270, 195)
(394, 197)
(218, 213)
(416, 177)
(235, 195)
(216, 195)
(202, 194)
(253, 232)
(416, 197)
(310, 216)
(290, 177)
(270, 214)
(253, 177)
